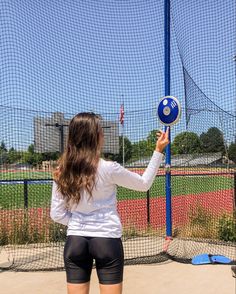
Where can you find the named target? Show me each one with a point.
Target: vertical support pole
(234, 192)
(167, 93)
(25, 194)
(148, 207)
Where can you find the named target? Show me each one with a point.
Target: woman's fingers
(159, 133)
(163, 140)
(163, 136)
(167, 134)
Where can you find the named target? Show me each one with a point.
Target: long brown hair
(78, 164)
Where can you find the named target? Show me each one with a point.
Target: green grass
(25, 175)
(181, 185)
(12, 196)
(39, 195)
(184, 185)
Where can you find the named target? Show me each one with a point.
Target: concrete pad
(163, 278)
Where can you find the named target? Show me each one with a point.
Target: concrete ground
(170, 277)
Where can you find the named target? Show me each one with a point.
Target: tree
(3, 147)
(13, 156)
(3, 157)
(128, 151)
(186, 143)
(3, 153)
(151, 141)
(144, 148)
(44, 156)
(232, 152)
(212, 141)
(32, 158)
(51, 155)
(31, 148)
(139, 149)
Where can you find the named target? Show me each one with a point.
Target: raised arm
(131, 180)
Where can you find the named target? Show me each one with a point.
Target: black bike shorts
(79, 253)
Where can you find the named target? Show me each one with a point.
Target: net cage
(59, 58)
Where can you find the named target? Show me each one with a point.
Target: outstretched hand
(162, 140)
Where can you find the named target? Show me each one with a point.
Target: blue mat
(210, 259)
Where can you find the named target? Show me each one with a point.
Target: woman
(84, 199)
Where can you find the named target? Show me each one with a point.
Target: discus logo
(173, 104)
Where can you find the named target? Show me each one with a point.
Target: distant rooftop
(184, 160)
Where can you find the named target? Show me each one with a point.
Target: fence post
(148, 207)
(234, 192)
(25, 194)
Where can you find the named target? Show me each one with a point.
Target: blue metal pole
(167, 93)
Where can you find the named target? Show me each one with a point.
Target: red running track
(133, 213)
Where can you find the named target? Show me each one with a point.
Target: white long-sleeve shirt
(97, 216)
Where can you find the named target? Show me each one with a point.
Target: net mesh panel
(204, 204)
(61, 57)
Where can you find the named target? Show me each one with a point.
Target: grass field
(19, 175)
(39, 195)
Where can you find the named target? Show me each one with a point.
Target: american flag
(122, 114)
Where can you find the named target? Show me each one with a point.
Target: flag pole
(123, 132)
(122, 113)
(123, 143)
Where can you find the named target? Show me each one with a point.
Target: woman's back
(84, 199)
(96, 215)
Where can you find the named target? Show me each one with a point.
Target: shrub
(227, 228)
(57, 232)
(3, 235)
(201, 224)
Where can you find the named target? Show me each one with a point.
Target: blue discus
(169, 110)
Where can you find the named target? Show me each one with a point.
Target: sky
(83, 55)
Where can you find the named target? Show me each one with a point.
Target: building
(47, 133)
(50, 134)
